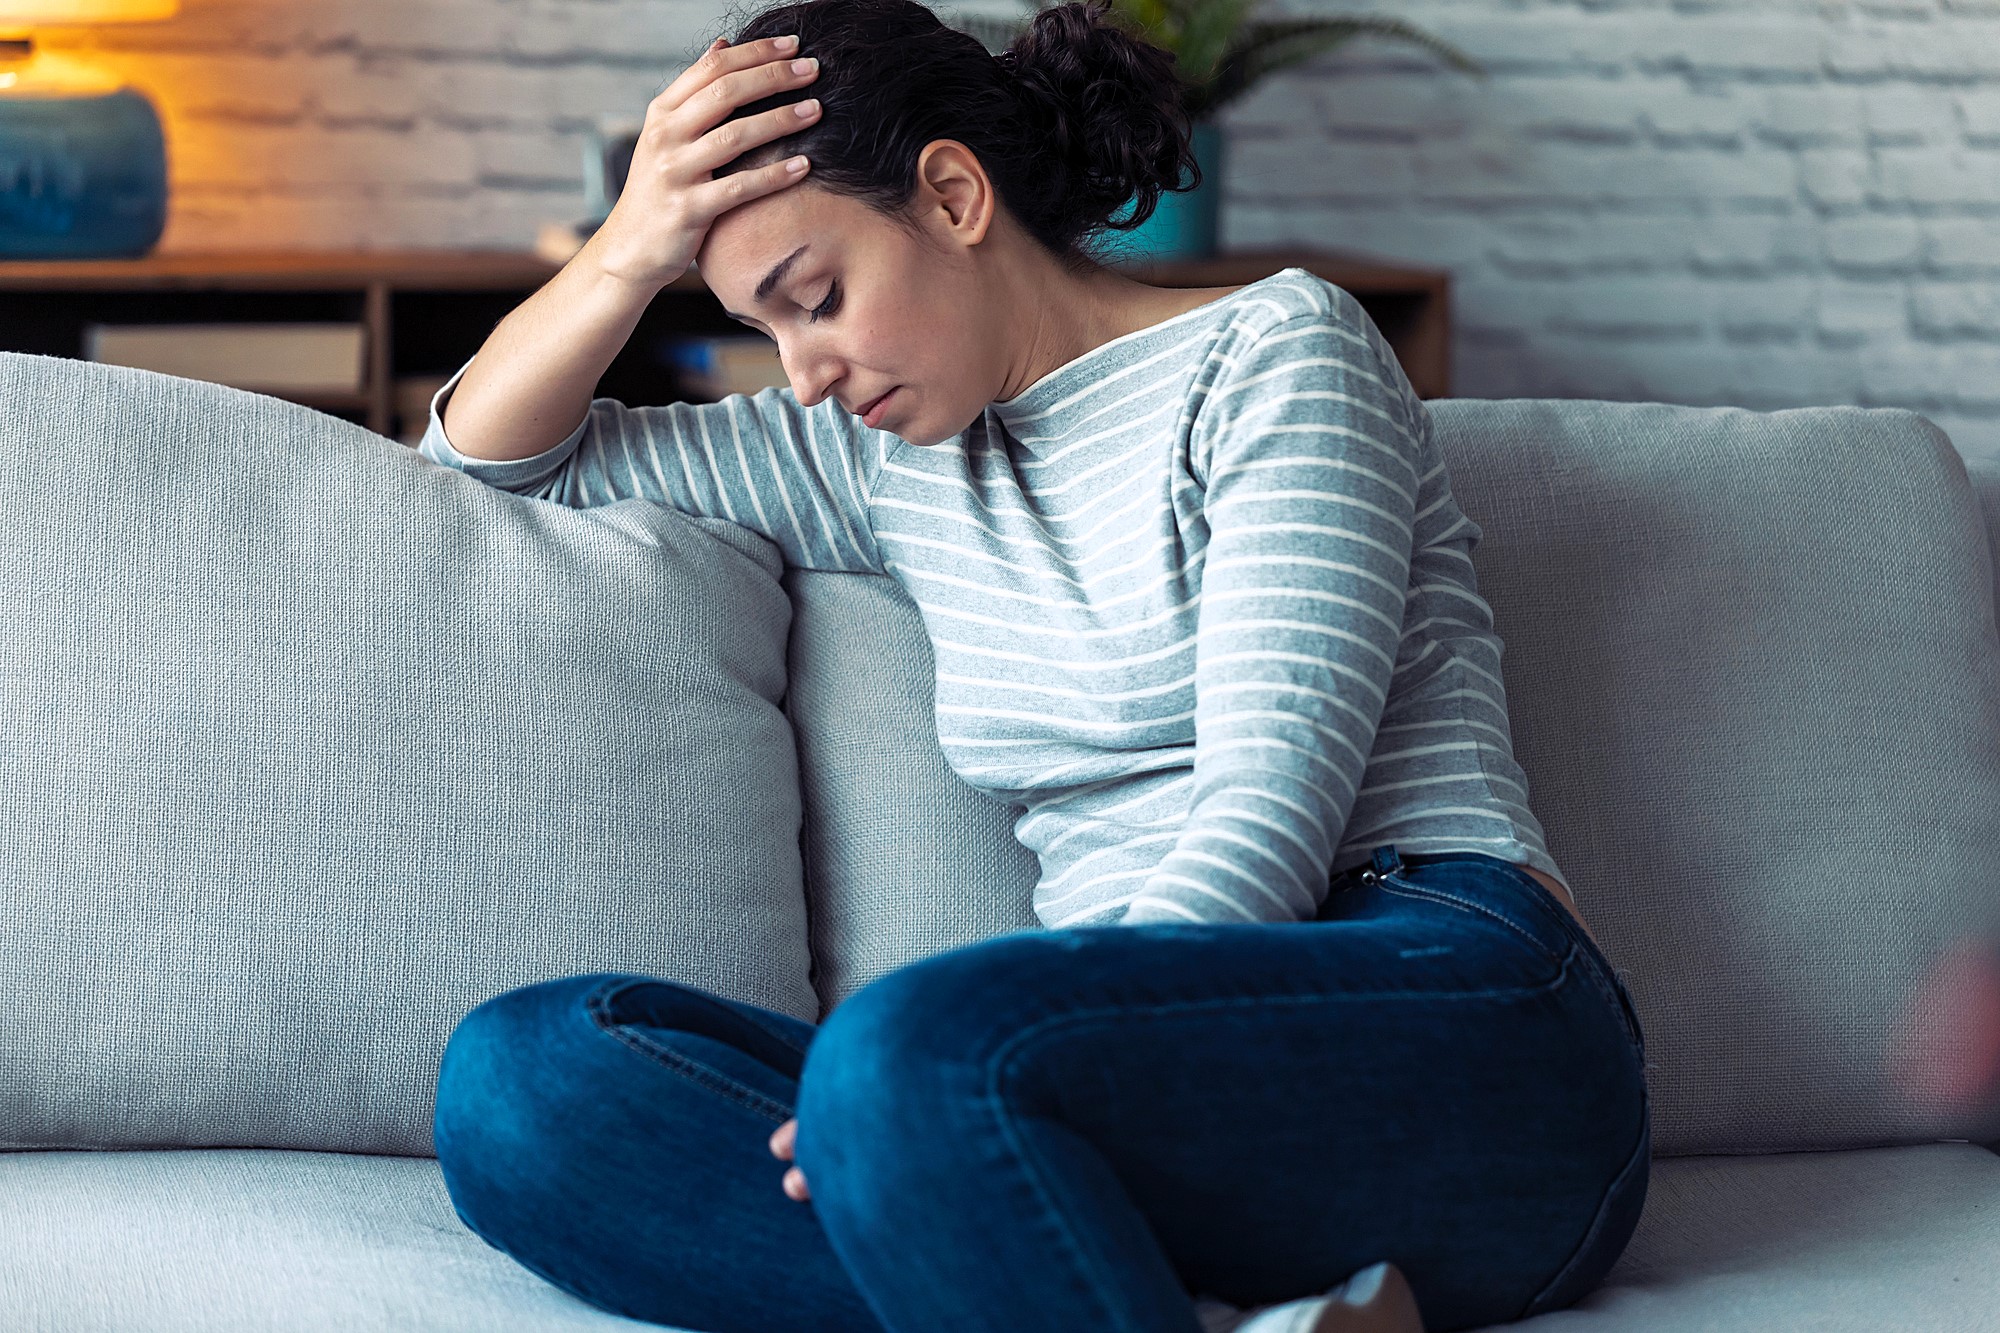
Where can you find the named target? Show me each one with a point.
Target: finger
(723, 59)
(714, 105)
(717, 197)
(731, 139)
(795, 1185)
(784, 1139)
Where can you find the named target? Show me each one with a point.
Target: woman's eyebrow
(774, 277)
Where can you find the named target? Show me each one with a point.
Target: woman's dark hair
(1074, 119)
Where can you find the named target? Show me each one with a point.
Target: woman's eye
(826, 307)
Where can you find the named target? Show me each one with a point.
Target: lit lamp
(83, 164)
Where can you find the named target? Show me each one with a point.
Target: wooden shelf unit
(425, 312)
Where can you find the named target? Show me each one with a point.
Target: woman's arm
(1310, 455)
(801, 477)
(530, 384)
(540, 365)
(521, 413)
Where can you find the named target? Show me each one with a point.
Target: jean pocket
(1395, 883)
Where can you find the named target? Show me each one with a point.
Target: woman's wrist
(603, 261)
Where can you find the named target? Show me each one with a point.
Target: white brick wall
(1768, 203)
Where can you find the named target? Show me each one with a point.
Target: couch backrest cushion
(1753, 676)
(1755, 681)
(1985, 475)
(308, 745)
(903, 859)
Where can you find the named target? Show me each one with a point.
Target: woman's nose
(811, 377)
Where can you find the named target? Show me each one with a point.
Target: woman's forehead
(783, 235)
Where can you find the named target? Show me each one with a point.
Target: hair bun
(1108, 108)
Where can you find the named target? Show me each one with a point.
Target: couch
(308, 745)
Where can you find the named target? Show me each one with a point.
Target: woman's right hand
(670, 198)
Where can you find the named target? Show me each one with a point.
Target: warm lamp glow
(37, 13)
(83, 158)
(26, 72)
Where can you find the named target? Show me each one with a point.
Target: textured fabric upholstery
(1863, 1241)
(259, 1241)
(1756, 685)
(308, 745)
(903, 859)
(1753, 676)
(1985, 476)
(268, 829)
(251, 1240)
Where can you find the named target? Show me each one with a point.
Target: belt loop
(1386, 862)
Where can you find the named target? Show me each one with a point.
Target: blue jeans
(1081, 1129)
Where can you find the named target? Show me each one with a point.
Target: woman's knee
(507, 1071)
(906, 1052)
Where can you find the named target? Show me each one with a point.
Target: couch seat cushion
(1857, 1241)
(221, 1240)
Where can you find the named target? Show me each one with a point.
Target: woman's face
(861, 306)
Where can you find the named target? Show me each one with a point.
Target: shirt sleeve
(1307, 451)
(800, 476)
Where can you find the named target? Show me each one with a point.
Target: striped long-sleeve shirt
(1201, 603)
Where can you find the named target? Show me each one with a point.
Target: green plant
(1222, 52)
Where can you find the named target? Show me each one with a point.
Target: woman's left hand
(784, 1146)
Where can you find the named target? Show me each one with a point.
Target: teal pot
(81, 176)
(1183, 226)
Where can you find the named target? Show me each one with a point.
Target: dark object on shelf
(83, 158)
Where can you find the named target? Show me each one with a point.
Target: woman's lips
(872, 415)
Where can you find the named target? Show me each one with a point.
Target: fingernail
(808, 107)
(806, 65)
(786, 42)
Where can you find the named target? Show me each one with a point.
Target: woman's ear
(955, 192)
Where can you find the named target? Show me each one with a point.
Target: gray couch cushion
(1878, 1240)
(308, 745)
(1985, 477)
(249, 1240)
(235, 1240)
(903, 858)
(1755, 681)
(1753, 676)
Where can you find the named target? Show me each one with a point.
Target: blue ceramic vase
(1183, 226)
(81, 177)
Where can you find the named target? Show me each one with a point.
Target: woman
(1202, 605)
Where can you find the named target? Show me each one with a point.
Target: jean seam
(998, 1067)
(714, 1080)
(1093, 1282)
(1589, 967)
(1392, 884)
(1632, 1159)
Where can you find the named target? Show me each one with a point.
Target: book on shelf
(263, 358)
(723, 364)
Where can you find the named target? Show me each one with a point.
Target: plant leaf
(1220, 56)
(1267, 47)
